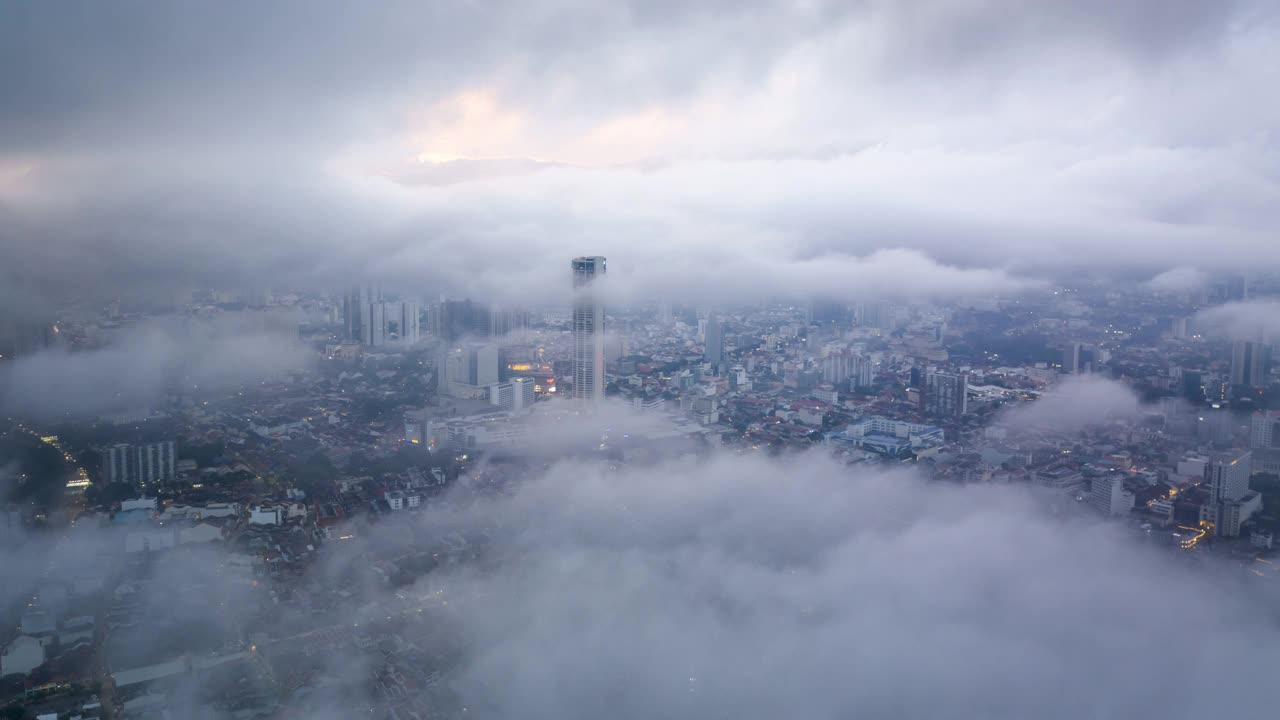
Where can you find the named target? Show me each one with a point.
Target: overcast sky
(712, 152)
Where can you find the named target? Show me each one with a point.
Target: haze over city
(560, 359)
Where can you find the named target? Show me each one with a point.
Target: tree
(316, 476)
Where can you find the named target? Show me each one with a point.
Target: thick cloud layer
(741, 587)
(475, 148)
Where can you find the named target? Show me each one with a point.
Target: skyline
(915, 359)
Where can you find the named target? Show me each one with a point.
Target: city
(590, 362)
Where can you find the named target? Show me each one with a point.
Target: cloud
(751, 588)
(1074, 404)
(140, 365)
(464, 149)
(732, 584)
(1179, 279)
(1247, 320)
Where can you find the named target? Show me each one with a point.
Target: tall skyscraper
(946, 394)
(714, 345)
(588, 330)
(1250, 363)
(373, 322)
(352, 329)
(1071, 359)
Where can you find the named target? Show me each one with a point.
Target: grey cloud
(742, 587)
(1075, 403)
(1179, 279)
(139, 365)
(245, 142)
(1248, 320)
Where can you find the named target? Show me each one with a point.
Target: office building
(1228, 475)
(588, 330)
(946, 394)
(1061, 480)
(1231, 503)
(714, 345)
(514, 395)
(467, 371)
(1250, 363)
(1108, 495)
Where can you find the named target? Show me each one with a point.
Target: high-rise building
(1071, 359)
(145, 464)
(714, 344)
(468, 370)
(1108, 495)
(1250, 363)
(1228, 480)
(452, 320)
(1235, 288)
(588, 330)
(865, 374)
(405, 316)
(878, 315)
(946, 394)
(1214, 425)
(1193, 385)
(1264, 430)
(373, 322)
(515, 394)
(351, 315)
(508, 322)
(838, 367)
(1228, 475)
